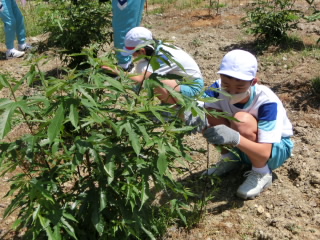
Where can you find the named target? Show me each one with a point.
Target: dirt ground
(290, 208)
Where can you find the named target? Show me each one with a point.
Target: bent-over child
(190, 70)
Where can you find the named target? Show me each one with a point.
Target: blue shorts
(192, 90)
(280, 153)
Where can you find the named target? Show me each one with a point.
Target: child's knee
(246, 125)
(245, 117)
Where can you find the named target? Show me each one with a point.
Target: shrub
(75, 26)
(315, 15)
(96, 158)
(270, 21)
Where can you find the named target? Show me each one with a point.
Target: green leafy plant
(97, 155)
(316, 85)
(72, 27)
(315, 15)
(196, 42)
(270, 21)
(215, 5)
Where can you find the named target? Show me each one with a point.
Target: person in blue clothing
(127, 14)
(14, 27)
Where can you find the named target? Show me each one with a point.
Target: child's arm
(140, 77)
(137, 78)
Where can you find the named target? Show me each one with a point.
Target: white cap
(239, 64)
(136, 36)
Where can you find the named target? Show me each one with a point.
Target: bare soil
(290, 208)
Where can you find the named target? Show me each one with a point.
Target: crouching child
(260, 137)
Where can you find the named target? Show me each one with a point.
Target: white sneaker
(14, 53)
(222, 167)
(25, 47)
(254, 184)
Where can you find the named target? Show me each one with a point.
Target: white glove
(222, 135)
(200, 123)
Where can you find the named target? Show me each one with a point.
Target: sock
(263, 170)
(23, 45)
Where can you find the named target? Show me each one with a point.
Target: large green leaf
(45, 223)
(162, 163)
(97, 220)
(36, 212)
(4, 102)
(109, 168)
(56, 87)
(17, 202)
(146, 136)
(115, 83)
(154, 63)
(134, 138)
(74, 115)
(57, 232)
(103, 200)
(149, 234)
(87, 95)
(3, 81)
(144, 196)
(56, 123)
(5, 119)
(39, 190)
(68, 228)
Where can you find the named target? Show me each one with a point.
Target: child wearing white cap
(261, 137)
(136, 45)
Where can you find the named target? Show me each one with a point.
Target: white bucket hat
(239, 64)
(136, 36)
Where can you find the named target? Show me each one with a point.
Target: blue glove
(200, 123)
(222, 135)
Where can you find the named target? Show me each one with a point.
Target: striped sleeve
(267, 123)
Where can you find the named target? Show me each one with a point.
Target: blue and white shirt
(264, 105)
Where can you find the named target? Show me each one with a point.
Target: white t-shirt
(191, 68)
(265, 106)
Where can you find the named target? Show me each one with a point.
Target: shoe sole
(254, 196)
(14, 57)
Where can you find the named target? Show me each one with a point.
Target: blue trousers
(127, 14)
(13, 23)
